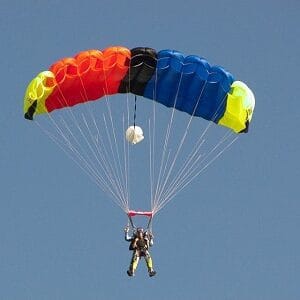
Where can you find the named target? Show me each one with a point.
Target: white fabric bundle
(134, 135)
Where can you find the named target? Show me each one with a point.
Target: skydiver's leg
(134, 263)
(149, 263)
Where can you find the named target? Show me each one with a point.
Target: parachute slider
(134, 134)
(133, 213)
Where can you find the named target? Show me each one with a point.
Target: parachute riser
(131, 214)
(130, 222)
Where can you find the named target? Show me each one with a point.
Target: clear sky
(232, 234)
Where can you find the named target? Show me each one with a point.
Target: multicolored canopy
(187, 83)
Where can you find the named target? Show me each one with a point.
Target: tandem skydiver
(140, 242)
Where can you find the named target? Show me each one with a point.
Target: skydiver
(140, 242)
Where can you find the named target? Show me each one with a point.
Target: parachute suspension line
(150, 162)
(180, 144)
(166, 142)
(126, 145)
(104, 159)
(128, 148)
(152, 140)
(127, 155)
(104, 162)
(197, 173)
(66, 145)
(122, 181)
(164, 182)
(115, 150)
(119, 197)
(82, 164)
(193, 172)
(179, 182)
(184, 166)
(125, 163)
(115, 153)
(106, 165)
(187, 178)
(72, 135)
(193, 156)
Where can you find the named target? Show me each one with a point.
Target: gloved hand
(126, 229)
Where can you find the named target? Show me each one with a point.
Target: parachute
(182, 83)
(205, 91)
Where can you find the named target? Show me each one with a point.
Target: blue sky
(232, 234)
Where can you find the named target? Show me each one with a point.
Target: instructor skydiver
(140, 242)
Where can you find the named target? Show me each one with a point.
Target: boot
(152, 273)
(130, 273)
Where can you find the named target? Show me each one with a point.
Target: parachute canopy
(204, 91)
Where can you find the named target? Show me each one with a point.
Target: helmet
(139, 230)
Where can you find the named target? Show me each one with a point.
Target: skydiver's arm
(151, 242)
(128, 238)
(135, 242)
